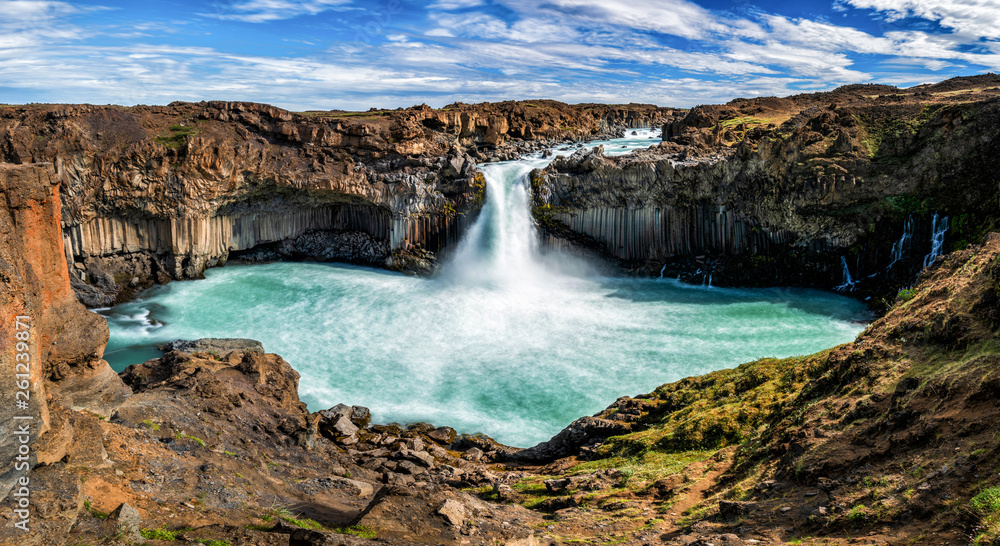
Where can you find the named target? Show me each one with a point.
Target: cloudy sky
(354, 54)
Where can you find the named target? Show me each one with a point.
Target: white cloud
(972, 19)
(455, 4)
(830, 67)
(442, 32)
(31, 24)
(675, 17)
(572, 50)
(824, 36)
(488, 28)
(20, 11)
(262, 11)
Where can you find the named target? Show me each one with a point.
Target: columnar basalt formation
(157, 193)
(811, 190)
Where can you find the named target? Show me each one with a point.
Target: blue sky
(355, 54)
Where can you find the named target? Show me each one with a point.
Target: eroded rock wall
(637, 235)
(153, 193)
(62, 361)
(816, 190)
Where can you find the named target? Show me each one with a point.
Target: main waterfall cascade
(508, 340)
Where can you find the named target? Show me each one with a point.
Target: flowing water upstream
(507, 340)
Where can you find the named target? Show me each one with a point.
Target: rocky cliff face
(157, 193)
(51, 346)
(792, 191)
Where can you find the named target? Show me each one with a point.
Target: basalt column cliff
(856, 188)
(157, 193)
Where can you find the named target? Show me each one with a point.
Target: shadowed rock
(583, 431)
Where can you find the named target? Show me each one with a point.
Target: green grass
(644, 468)
(211, 542)
(873, 483)
(93, 511)
(357, 530)
(159, 534)
(291, 518)
(181, 436)
(906, 294)
(719, 409)
(744, 120)
(150, 425)
(751, 122)
(986, 507)
(177, 136)
(693, 515)
(879, 130)
(859, 514)
(305, 523)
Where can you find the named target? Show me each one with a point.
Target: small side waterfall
(848, 281)
(938, 229)
(901, 247)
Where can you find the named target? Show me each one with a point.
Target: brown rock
(61, 345)
(453, 511)
(56, 500)
(731, 510)
(442, 435)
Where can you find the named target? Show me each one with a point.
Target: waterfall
(662, 269)
(848, 283)
(501, 247)
(938, 228)
(900, 247)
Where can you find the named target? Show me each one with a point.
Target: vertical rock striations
(793, 191)
(153, 193)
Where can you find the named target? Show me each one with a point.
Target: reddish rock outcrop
(61, 363)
